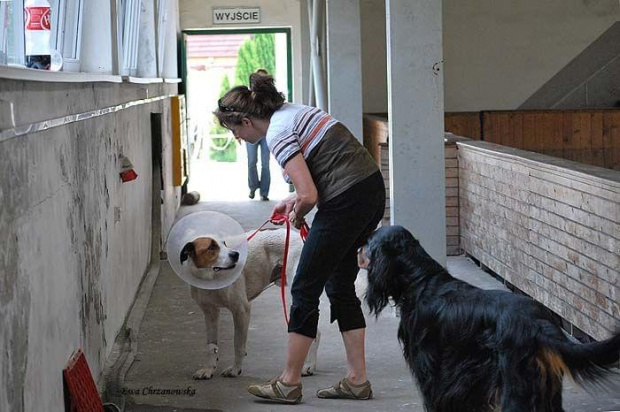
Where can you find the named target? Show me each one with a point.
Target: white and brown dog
(207, 257)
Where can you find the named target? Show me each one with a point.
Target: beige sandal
(345, 389)
(277, 391)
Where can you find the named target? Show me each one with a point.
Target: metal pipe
(318, 72)
(311, 100)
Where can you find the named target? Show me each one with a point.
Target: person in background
(330, 169)
(255, 182)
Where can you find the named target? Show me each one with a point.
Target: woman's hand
(295, 220)
(284, 207)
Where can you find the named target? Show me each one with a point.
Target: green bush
(223, 149)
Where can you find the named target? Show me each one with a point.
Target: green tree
(217, 128)
(266, 52)
(259, 52)
(225, 86)
(223, 147)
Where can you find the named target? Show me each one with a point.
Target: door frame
(289, 50)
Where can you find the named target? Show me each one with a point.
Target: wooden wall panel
(375, 129)
(466, 124)
(589, 137)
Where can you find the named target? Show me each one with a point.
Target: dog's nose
(234, 255)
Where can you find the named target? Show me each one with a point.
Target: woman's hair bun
(261, 81)
(260, 100)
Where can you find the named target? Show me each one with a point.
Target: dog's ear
(187, 251)
(378, 290)
(388, 251)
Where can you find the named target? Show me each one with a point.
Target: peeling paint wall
(75, 241)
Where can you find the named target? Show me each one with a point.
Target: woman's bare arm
(306, 195)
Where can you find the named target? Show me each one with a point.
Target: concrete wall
(587, 82)
(550, 227)
(197, 14)
(75, 241)
(344, 78)
(496, 54)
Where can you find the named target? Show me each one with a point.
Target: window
(128, 30)
(12, 32)
(66, 22)
(65, 32)
(142, 41)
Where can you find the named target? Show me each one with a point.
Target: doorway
(215, 61)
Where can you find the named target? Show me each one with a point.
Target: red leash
(279, 218)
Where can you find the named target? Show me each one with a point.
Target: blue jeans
(265, 178)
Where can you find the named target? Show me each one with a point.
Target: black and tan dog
(471, 349)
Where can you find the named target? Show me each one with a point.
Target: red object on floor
(83, 394)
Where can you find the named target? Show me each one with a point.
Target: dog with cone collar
(208, 257)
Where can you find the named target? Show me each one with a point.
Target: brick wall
(550, 227)
(452, 198)
(385, 171)
(452, 191)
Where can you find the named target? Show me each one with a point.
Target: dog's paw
(205, 373)
(308, 369)
(231, 372)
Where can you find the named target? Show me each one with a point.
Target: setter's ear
(389, 250)
(378, 290)
(380, 270)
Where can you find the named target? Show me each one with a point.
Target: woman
(329, 169)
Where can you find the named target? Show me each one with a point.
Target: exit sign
(236, 15)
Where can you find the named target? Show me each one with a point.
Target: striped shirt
(295, 128)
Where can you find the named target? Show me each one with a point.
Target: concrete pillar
(344, 63)
(415, 106)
